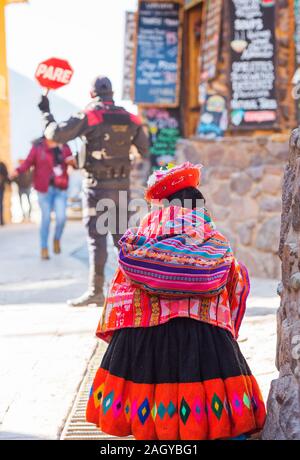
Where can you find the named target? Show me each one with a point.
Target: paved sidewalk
(257, 338)
(46, 345)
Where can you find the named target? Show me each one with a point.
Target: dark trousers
(1, 205)
(102, 211)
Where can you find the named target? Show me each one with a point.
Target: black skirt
(184, 379)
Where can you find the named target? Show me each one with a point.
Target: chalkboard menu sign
(158, 53)
(297, 44)
(164, 130)
(210, 43)
(128, 55)
(252, 46)
(213, 119)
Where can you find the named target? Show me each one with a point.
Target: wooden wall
(285, 68)
(190, 107)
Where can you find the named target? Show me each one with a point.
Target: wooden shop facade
(209, 69)
(218, 83)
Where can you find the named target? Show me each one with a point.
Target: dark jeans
(1, 205)
(101, 218)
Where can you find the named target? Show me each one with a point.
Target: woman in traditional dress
(173, 368)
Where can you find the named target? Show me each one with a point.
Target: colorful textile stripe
(176, 252)
(213, 409)
(129, 306)
(239, 291)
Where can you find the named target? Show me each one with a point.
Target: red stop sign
(54, 73)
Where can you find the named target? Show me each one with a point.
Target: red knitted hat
(163, 183)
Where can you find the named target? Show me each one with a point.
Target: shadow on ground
(10, 436)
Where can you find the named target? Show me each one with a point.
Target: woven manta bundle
(176, 252)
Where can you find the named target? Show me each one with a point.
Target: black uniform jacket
(108, 132)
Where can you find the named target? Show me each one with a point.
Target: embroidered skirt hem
(183, 380)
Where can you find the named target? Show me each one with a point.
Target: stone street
(46, 345)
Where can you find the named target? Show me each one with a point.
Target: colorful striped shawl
(176, 252)
(128, 306)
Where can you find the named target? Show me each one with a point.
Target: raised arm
(65, 131)
(28, 162)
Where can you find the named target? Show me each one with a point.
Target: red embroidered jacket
(129, 306)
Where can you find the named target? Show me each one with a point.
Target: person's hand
(44, 104)
(134, 154)
(13, 175)
(71, 161)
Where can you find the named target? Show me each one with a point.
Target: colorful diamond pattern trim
(237, 404)
(171, 409)
(108, 401)
(217, 406)
(227, 407)
(196, 410)
(98, 394)
(127, 410)
(154, 411)
(117, 407)
(130, 410)
(254, 403)
(184, 411)
(161, 410)
(144, 411)
(246, 401)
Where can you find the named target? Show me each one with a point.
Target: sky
(88, 33)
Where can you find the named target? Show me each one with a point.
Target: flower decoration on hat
(164, 182)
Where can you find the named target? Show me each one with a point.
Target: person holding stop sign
(50, 160)
(108, 133)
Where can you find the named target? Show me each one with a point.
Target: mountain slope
(26, 121)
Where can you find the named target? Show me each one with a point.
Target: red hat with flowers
(165, 182)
